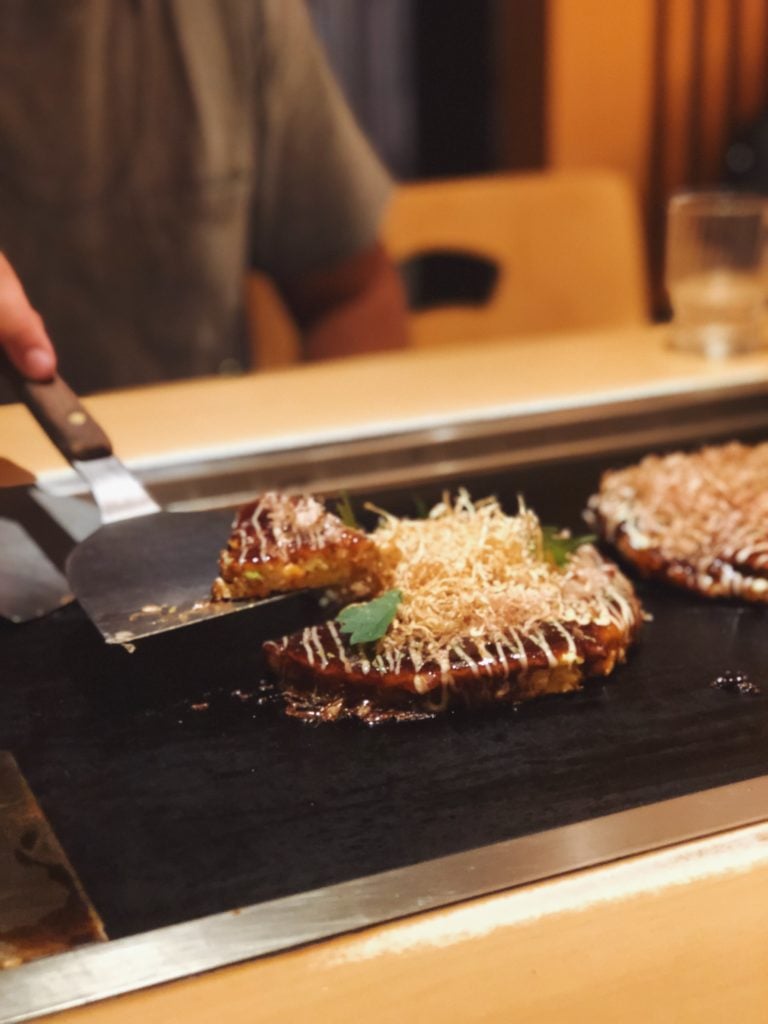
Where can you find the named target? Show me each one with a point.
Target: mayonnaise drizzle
(480, 596)
(707, 511)
(276, 524)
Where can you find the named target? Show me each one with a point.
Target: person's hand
(22, 334)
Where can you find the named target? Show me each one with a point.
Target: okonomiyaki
(478, 608)
(284, 542)
(698, 520)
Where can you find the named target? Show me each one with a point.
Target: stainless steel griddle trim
(167, 954)
(419, 456)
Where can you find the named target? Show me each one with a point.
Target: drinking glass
(714, 272)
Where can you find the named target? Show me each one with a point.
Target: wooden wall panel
(656, 89)
(675, 62)
(599, 78)
(519, 38)
(718, 58)
(752, 78)
(627, 79)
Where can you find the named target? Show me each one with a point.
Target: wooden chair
(273, 334)
(567, 247)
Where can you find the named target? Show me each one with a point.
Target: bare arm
(354, 307)
(22, 334)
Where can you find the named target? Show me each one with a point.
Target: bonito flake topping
(469, 571)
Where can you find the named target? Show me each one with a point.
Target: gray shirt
(150, 152)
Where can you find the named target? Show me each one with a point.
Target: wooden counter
(676, 935)
(381, 394)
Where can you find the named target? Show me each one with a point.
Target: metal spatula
(144, 571)
(37, 532)
(30, 584)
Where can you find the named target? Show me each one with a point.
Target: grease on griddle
(316, 708)
(230, 703)
(215, 709)
(735, 682)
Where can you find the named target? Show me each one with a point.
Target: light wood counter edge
(379, 394)
(675, 935)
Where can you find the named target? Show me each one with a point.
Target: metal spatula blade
(151, 574)
(143, 571)
(30, 584)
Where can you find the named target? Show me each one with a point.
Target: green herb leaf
(557, 546)
(252, 574)
(422, 509)
(368, 622)
(345, 512)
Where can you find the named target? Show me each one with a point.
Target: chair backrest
(272, 332)
(568, 247)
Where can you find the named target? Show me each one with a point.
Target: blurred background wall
(663, 90)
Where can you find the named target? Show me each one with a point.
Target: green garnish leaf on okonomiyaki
(346, 512)
(365, 623)
(557, 546)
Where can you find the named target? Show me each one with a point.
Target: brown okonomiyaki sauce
(539, 666)
(490, 609)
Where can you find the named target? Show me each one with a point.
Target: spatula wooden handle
(57, 409)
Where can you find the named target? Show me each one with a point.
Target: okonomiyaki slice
(486, 616)
(284, 542)
(698, 521)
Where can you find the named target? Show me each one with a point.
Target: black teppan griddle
(181, 792)
(176, 793)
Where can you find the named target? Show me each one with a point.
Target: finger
(22, 333)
